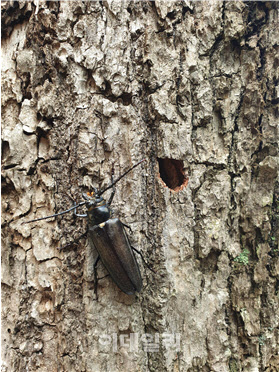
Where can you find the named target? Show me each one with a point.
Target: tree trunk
(94, 87)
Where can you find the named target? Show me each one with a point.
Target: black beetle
(108, 236)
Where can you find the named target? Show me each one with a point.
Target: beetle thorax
(97, 209)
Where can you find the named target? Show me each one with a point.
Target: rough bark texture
(91, 86)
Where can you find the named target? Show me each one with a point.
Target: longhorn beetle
(108, 236)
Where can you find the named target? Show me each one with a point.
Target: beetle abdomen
(113, 246)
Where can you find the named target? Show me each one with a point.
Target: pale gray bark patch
(92, 86)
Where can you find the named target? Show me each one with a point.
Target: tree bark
(90, 87)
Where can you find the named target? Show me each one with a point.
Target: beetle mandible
(108, 236)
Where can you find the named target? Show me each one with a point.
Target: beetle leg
(127, 227)
(79, 215)
(138, 252)
(74, 241)
(96, 277)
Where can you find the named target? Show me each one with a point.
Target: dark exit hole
(172, 173)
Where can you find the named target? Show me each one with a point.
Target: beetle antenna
(119, 178)
(56, 214)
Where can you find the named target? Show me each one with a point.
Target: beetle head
(92, 198)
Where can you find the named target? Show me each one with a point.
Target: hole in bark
(171, 15)
(172, 174)
(5, 150)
